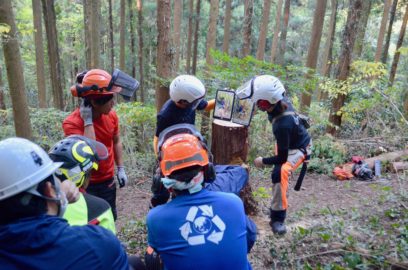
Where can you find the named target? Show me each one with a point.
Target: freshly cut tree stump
(229, 145)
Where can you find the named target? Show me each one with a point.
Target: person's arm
(118, 150)
(210, 105)
(89, 132)
(282, 140)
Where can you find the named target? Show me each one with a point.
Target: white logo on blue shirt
(202, 224)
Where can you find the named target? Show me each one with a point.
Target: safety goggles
(264, 105)
(77, 175)
(194, 104)
(246, 90)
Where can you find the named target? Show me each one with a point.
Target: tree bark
(164, 54)
(395, 61)
(380, 40)
(139, 7)
(197, 29)
(39, 54)
(365, 14)
(53, 54)
(384, 56)
(247, 27)
(313, 52)
(111, 41)
(212, 30)
(92, 32)
(12, 59)
(328, 51)
(178, 14)
(2, 99)
(275, 40)
(229, 142)
(349, 36)
(132, 40)
(227, 27)
(260, 52)
(122, 63)
(189, 36)
(280, 59)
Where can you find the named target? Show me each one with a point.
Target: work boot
(278, 227)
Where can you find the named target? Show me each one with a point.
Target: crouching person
(32, 233)
(198, 229)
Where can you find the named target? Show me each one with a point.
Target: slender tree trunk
(122, 63)
(189, 35)
(39, 54)
(87, 31)
(247, 27)
(227, 27)
(111, 42)
(365, 14)
(276, 32)
(280, 59)
(197, 29)
(53, 54)
(164, 53)
(132, 39)
(212, 30)
(260, 52)
(349, 36)
(328, 51)
(389, 32)
(12, 59)
(380, 40)
(399, 44)
(313, 52)
(178, 14)
(2, 98)
(92, 32)
(139, 7)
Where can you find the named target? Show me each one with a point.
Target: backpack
(303, 119)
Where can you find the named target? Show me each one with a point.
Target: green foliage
(326, 154)
(262, 193)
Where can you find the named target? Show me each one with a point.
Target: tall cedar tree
(260, 52)
(178, 14)
(164, 53)
(381, 33)
(92, 32)
(212, 30)
(132, 39)
(276, 32)
(328, 48)
(247, 27)
(189, 35)
(53, 53)
(280, 58)
(2, 101)
(384, 56)
(196, 32)
(39, 53)
(122, 26)
(227, 27)
(139, 7)
(15, 76)
(365, 14)
(313, 52)
(399, 45)
(111, 41)
(343, 69)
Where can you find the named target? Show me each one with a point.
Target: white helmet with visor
(187, 88)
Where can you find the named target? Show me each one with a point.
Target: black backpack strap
(282, 115)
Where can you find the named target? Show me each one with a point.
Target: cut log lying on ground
(392, 156)
(399, 166)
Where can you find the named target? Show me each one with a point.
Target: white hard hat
(23, 164)
(186, 87)
(267, 87)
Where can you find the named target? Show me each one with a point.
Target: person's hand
(122, 177)
(71, 191)
(258, 162)
(86, 113)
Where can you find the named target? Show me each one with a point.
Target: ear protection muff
(77, 90)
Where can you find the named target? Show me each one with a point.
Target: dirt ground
(314, 212)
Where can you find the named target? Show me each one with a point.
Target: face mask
(194, 186)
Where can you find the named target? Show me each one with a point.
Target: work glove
(86, 113)
(258, 162)
(122, 177)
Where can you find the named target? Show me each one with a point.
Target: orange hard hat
(182, 151)
(95, 83)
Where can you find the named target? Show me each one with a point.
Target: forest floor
(353, 224)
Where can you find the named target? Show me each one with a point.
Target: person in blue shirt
(32, 233)
(197, 229)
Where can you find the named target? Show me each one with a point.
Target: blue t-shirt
(206, 230)
(48, 242)
(170, 115)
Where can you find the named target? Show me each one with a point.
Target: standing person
(32, 233)
(79, 156)
(96, 120)
(292, 140)
(198, 229)
(187, 94)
